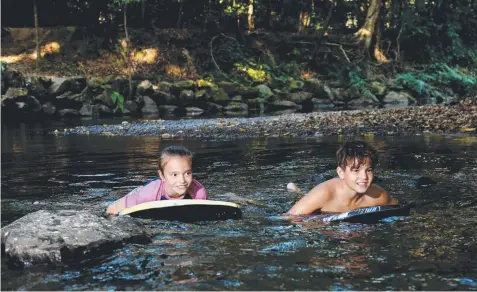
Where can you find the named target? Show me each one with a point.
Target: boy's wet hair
(173, 151)
(356, 153)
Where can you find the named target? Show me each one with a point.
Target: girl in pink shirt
(175, 182)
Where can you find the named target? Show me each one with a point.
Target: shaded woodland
(416, 42)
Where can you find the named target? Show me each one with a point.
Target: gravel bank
(460, 118)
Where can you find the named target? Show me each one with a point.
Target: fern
(118, 98)
(436, 74)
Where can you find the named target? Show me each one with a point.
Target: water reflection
(434, 249)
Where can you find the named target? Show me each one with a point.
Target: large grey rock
(103, 110)
(59, 86)
(48, 108)
(212, 107)
(398, 98)
(144, 88)
(88, 110)
(194, 111)
(106, 98)
(236, 107)
(300, 96)
(130, 106)
(77, 84)
(33, 104)
(65, 235)
(67, 112)
(161, 97)
(168, 108)
(322, 102)
(264, 92)
(219, 96)
(150, 106)
(281, 105)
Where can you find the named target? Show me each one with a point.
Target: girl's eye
(174, 174)
(189, 173)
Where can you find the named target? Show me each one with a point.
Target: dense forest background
(416, 42)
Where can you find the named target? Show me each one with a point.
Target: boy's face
(177, 175)
(357, 177)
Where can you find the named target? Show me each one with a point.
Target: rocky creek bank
(460, 118)
(40, 96)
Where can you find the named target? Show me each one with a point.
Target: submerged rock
(53, 237)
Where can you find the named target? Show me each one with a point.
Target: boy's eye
(370, 170)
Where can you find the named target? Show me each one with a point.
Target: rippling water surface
(433, 249)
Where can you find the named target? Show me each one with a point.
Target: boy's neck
(348, 194)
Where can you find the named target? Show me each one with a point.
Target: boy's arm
(312, 201)
(385, 198)
(391, 200)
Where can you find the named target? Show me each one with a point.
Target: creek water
(433, 249)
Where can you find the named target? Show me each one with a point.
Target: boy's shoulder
(376, 191)
(327, 188)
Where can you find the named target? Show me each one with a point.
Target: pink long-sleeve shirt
(156, 191)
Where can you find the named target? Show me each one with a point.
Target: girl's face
(177, 175)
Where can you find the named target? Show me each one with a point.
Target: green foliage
(412, 82)
(125, 2)
(351, 75)
(433, 36)
(235, 8)
(3, 66)
(425, 83)
(258, 75)
(116, 97)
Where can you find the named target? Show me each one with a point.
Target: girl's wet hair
(355, 154)
(173, 151)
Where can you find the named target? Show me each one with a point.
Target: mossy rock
(201, 83)
(295, 85)
(314, 86)
(264, 91)
(201, 94)
(219, 95)
(179, 86)
(229, 87)
(377, 88)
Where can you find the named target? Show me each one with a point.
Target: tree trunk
(369, 33)
(128, 61)
(305, 18)
(143, 11)
(37, 38)
(179, 17)
(251, 25)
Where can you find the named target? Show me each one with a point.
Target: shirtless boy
(353, 189)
